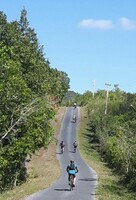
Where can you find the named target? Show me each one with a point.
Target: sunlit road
(86, 180)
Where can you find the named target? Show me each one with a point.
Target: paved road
(86, 181)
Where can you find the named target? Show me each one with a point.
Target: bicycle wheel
(71, 182)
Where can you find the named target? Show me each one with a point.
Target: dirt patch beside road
(44, 168)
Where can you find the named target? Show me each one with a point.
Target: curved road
(86, 180)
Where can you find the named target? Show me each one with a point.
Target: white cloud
(96, 24)
(127, 24)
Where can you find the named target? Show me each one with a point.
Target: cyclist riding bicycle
(75, 105)
(75, 144)
(62, 146)
(72, 170)
(74, 118)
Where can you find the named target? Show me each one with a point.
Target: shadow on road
(87, 179)
(72, 121)
(59, 153)
(62, 189)
(72, 151)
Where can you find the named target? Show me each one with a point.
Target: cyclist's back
(75, 105)
(62, 144)
(71, 168)
(75, 144)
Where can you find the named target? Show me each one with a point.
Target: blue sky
(93, 41)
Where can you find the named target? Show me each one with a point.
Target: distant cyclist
(62, 144)
(72, 170)
(75, 144)
(75, 105)
(74, 118)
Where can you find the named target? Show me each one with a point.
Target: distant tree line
(72, 97)
(30, 92)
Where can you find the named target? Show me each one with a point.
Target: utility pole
(93, 88)
(107, 94)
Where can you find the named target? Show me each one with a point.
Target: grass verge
(108, 182)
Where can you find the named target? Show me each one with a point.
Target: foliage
(115, 131)
(30, 90)
(71, 97)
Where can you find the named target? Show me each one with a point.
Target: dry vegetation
(43, 169)
(109, 187)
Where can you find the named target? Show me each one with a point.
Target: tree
(28, 88)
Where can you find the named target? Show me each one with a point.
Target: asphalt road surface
(86, 178)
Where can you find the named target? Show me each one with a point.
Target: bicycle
(62, 146)
(75, 147)
(62, 150)
(71, 182)
(74, 119)
(75, 144)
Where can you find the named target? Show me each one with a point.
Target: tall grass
(109, 186)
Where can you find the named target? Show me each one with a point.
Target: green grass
(108, 187)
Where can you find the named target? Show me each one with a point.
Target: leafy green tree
(30, 90)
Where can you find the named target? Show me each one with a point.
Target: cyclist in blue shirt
(72, 169)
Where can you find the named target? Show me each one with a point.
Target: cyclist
(62, 146)
(72, 170)
(75, 105)
(75, 144)
(74, 118)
